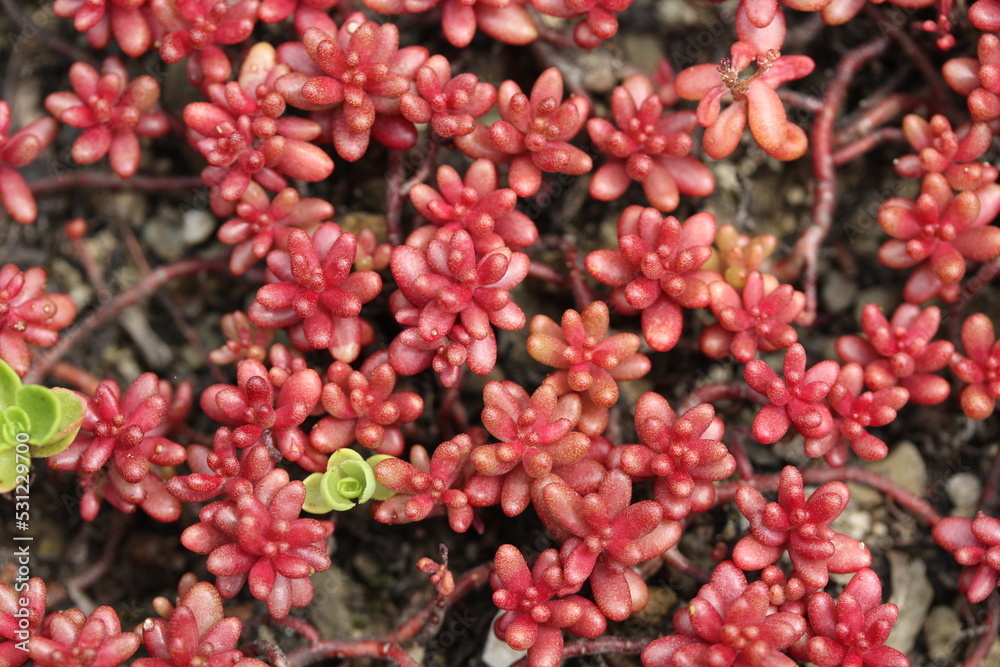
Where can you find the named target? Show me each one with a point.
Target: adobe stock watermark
(21, 549)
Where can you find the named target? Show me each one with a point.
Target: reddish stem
(577, 274)
(269, 650)
(452, 413)
(940, 92)
(991, 489)
(990, 632)
(801, 100)
(299, 625)
(679, 562)
(806, 253)
(735, 445)
(350, 648)
(394, 200)
(142, 289)
(424, 168)
(921, 508)
(93, 273)
(546, 273)
(432, 613)
(599, 646)
(388, 646)
(108, 181)
(76, 376)
(876, 115)
(720, 391)
(884, 135)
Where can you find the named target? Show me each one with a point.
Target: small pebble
(941, 631)
(964, 490)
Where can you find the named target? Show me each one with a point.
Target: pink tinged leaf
(524, 176)
(20, 203)
(770, 424)
(662, 324)
(458, 22)
(750, 554)
(611, 592)
(723, 136)
(305, 161)
(611, 180)
(849, 556)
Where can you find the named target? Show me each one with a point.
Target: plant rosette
(42, 419)
(349, 480)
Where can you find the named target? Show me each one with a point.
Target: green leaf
(14, 422)
(357, 481)
(348, 480)
(10, 382)
(315, 503)
(8, 474)
(72, 409)
(330, 493)
(43, 411)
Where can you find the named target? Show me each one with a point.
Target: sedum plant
(349, 480)
(35, 421)
(559, 379)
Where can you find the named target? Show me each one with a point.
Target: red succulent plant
(252, 407)
(979, 368)
(475, 204)
(112, 111)
(129, 21)
(363, 407)
(975, 543)
(536, 433)
(800, 526)
(196, 633)
(750, 319)
(313, 291)
(28, 314)
(256, 537)
(852, 629)
(729, 623)
(535, 612)
(261, 219)
(17, 150)
(22, 612)
(941, 150)
(592, 361)
(120, 449)
(446, 284)
(646, 146)
(683, 453)
(797, 398)
(937, 233)
(127, 429)
(426, 484)
(244, 340)
(451, 104)
(244, 136)
(901, 351)
(71, 638)
(360, 73)
(605, 533)
(198, 24)
(534, 132)
(854, 413)
(755, 101)
(655, 270)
